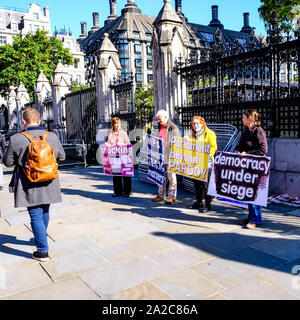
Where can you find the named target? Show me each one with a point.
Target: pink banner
(117, 160)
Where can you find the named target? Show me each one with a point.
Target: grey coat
(28, 194)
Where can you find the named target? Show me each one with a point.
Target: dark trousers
(201, 189)
(122, 185)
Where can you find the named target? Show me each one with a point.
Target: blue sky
(70, 13)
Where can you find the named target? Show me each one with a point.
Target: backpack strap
(27, 135)
(45, 136)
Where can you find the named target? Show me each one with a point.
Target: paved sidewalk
(131, 248)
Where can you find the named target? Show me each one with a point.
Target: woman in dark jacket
(252, 141)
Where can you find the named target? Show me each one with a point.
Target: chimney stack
(215, 22)
(95, 22)
(83, 29)
(96, 19)
(178, 6)
(113, 11)
(246, 28)
(113, 7)
(46, 12)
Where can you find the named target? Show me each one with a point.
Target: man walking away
(36, 196)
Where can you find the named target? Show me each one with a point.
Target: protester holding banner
(201, 132)
(167, 130)
(252, 141)
(116, 137)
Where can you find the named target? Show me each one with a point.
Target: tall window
(14, 26)
(36, 16)
(3, 40)
(2, 25)
(78, 78)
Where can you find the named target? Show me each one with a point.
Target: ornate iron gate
(124, 104)
(81, 116)
(225, 81)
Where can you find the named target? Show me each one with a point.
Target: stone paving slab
(256, 289)
(285, 246)
(72, 264)
(285, 277)
(186, 284)
(233, 268)
(109, 282)
(70, 289)
(23, 279)
(144, 291)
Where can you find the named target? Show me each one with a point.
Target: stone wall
(285, 166)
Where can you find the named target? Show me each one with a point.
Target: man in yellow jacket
(201, 132)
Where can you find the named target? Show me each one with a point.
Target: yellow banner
(189, 158)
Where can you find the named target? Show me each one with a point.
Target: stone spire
(167, 13)
(107, 45)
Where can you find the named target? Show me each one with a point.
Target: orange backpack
(41, 163)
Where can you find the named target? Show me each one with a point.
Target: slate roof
(133, 24)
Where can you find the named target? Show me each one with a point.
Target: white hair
(162, 113)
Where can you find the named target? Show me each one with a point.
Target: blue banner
(156, 167)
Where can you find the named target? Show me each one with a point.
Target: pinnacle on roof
(167, 13)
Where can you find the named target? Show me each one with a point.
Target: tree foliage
(144, 102)
(25, 58)
(286, 10)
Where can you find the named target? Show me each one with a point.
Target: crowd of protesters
(38, 196)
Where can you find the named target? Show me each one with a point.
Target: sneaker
(196, 205)
(157, 199)
(251, 225)
(170, 201)
(40, 256)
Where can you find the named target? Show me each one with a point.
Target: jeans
(254, 215)
(39, 219)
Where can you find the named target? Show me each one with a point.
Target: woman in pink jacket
(122, 185)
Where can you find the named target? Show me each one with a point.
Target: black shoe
(196, 205)
(116, 195)
(207, 208)
(40, 256)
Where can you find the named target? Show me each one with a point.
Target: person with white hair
(167, 130)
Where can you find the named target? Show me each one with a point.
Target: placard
(243, 178)
(117, 160)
